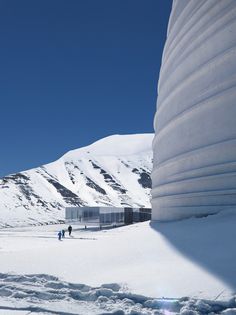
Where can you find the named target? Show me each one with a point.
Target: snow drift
(195, 142)
(113, 171)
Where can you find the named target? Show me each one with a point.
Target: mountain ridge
(112, 171)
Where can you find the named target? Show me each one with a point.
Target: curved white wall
(195, 123)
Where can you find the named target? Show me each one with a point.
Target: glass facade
(107, 215)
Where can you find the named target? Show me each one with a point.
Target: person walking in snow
(69, 229)
(59, 235)
(63, 233)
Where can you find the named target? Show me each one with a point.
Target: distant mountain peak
(112, 171)
(118, 145)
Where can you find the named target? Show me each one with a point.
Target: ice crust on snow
(194, 169)
(45, 294)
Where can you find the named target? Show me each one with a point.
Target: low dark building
(102, 216)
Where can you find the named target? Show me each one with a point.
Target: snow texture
(185, 267)
(194, 257)
(195, 123)
(44, 294)
(114, 171)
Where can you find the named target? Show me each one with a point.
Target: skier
(63, 233)
(69, 229)
(59, 235)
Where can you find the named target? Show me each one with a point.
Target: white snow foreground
(185, 267)
(114, 171)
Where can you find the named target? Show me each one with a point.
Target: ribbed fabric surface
(194, 147)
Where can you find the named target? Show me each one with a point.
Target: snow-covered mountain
(112, 171)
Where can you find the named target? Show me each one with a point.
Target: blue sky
(75, 71)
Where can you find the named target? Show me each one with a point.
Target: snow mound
(120, 145)
(42, 293)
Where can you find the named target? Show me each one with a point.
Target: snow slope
(112, 171)
(185, 267)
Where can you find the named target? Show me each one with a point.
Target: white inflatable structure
(194, 147)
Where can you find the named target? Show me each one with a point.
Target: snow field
(184, 267)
